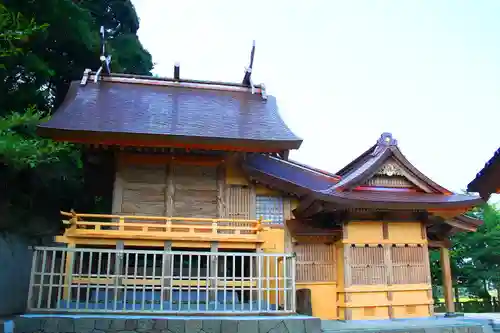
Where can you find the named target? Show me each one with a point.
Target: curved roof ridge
(167, 81)
(326, 173)
(398, 154)
(369, 162)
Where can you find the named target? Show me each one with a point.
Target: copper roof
(487, 180)
(170, 111)
(308, 184)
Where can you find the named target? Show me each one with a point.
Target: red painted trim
(163, 159)
(162, 144)
(385, 189)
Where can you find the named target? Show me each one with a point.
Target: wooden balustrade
(160, 227)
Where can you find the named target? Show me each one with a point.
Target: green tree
(475, 256)
(46, 44)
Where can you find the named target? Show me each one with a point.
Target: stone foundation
(134, 324)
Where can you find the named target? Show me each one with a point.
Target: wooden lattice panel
(315, 262)
(239, 205)
(366, 265)
(238, 202)
(410, 264)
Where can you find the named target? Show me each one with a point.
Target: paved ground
(495, 316)
(432, 324)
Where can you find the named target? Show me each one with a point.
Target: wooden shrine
(203, 166)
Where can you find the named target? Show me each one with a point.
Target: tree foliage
(44, 45)
(475, 256)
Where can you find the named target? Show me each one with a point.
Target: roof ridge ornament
(104, 58)
(85, 77)
(385, 141)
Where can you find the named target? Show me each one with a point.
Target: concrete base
(423, 325)
(172, 324)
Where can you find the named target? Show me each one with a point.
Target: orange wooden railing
(96, 225)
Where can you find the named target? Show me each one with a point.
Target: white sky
(345, 71)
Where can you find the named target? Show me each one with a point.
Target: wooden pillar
(447, 281)
(169, 191)
(68, 271)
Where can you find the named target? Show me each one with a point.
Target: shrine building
(206, 213)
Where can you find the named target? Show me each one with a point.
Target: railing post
(293, 267)
(260, 277)
(259, 224)
(214, 266)
(167, 270)
(32, 279)
(214, 227)
(122, 224)
(118, 293)
(68, 271)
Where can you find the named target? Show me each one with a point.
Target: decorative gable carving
(390, 169)
(389, 181)
(391, 174)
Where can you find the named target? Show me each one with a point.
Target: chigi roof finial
(104, 58)
(247, 80)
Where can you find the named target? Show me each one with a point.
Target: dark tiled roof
(487, 180)
(293, 176)
(397, 200)
(167, 112)
(370, 161)
(304, 181)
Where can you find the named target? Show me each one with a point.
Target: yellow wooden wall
(316, 270)
(386, 273)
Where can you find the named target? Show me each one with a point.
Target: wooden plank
(143, 189)
(117, 189)
(221, 191)
(169, 190)
(388, 264)
(196, 191)
(315, 262)
(347, 266)
(253, 203)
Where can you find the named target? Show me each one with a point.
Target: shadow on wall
(15, 269)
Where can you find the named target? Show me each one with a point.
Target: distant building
(487, 180)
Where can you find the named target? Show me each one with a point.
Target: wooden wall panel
(142, 189)
(367, 265)
(315, 262)
(387, 265)
(196, 191)
(410, 265)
